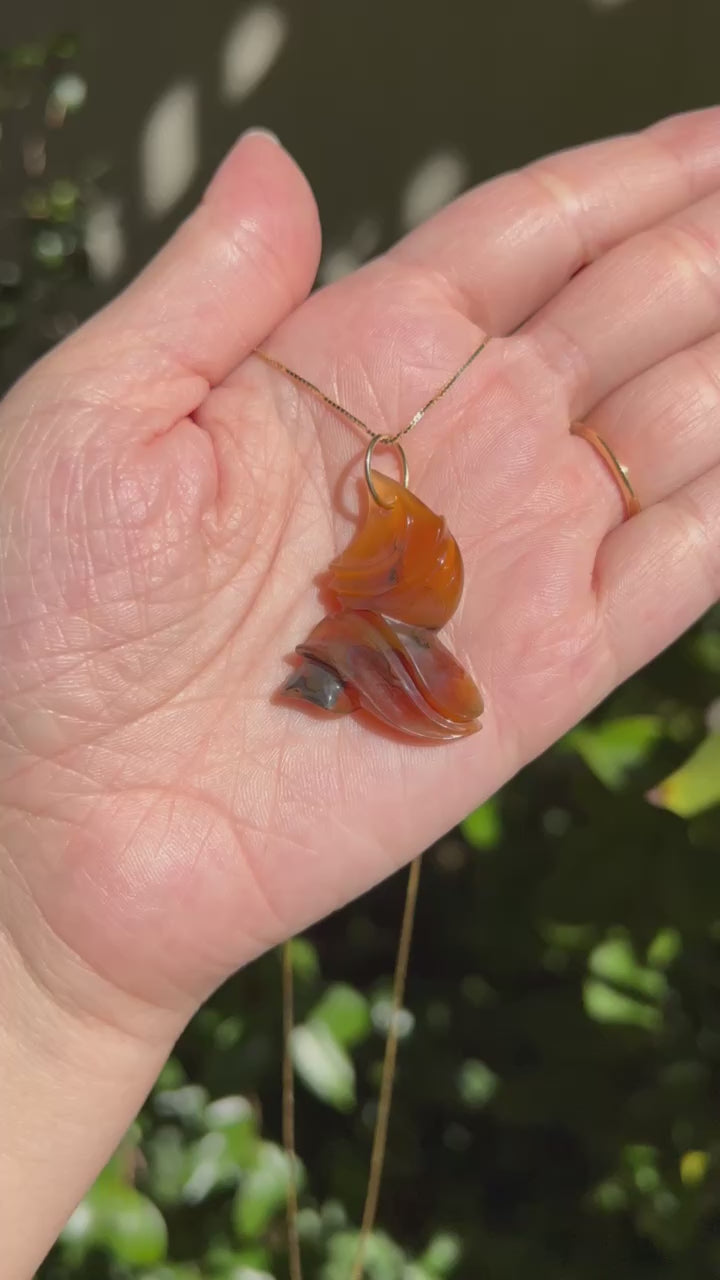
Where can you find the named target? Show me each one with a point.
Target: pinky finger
(659, 572)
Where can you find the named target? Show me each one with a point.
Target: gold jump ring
(391, 444)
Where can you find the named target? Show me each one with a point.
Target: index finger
(505, 248)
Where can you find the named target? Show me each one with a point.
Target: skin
(166, 503)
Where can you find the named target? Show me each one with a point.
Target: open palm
(168, 502)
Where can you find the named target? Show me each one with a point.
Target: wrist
(70, 1084)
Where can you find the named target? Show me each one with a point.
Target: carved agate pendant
(396, 584)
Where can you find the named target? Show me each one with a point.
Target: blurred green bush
(556, 1113)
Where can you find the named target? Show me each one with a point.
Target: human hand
(168, 501)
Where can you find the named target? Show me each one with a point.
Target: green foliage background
(557, 1112)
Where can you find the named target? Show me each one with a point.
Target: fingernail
(259, 131)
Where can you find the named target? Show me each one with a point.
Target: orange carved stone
(399, 580)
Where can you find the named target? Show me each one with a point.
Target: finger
(650, 297)
(656, 574)
(505, 248)
(664, 425)
(242, 261)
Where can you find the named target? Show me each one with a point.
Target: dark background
(557, 1112)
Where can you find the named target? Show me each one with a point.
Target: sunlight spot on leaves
(695, 786)
(186, 1103)
(382, 1016)
(693, 1167)
(619, 989)
(664, 948)
(105, 239)
(169, 148)
(442, 1255)
(250, 49)
(435, 182)
(323, 1065)
(383, 1259)
(611, 750)
(345, 1013)
(263, 1191)
(610, 1196)
(305, 960)
(483, 828)
(477, 1084)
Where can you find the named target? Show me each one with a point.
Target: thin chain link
(358, 422)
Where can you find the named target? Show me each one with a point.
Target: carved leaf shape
(403, 562)
(404, 676)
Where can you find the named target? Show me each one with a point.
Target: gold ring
(391, 444)
(619, 473)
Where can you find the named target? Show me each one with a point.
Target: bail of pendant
(390, 444)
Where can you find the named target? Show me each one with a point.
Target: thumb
(243, 260)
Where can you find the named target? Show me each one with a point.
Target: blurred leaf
(694, 1167)
(49, 249)
(310, 1226)
(208, 1167)
(64, 46)
(166, 1164)
(132, 1227)
(186, 1103)
(477, 991)
(665, 948)
(173, 1271)
(333, 1215)
(25, 56)
(643, 1163)
(695, 786)
(234, 1116)
(707, 650)
(346, 1014)
(622, 990)
(229, 1032)
(262, 1192)
(383, 1259)
(323, 1065)
(81, 1228)
(8, 315)
(119, 1172)
(171, 1077)
(611, 750)
(477, 1083)
(36, 204)
(383, 1013)
(483, 828)
(603, 1004)
(63, 199)
(610, 1196)
(568, 937)
(225, 1263)
(221, 1155)
(442, 1256)
(305, 962)
(69, 91)
(615, 961)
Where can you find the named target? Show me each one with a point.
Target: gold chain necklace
(396, 584)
